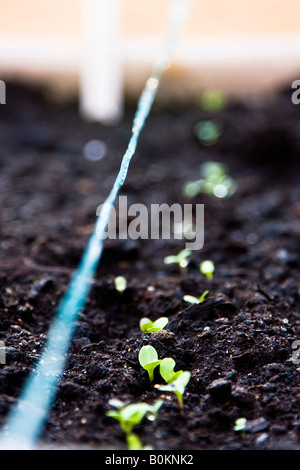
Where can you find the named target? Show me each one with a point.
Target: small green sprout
(147, 326)
(148, 358)
(240, 424)
(132, 415)
(177, 386)
(120, 283)
(194, 300)
(207, 268)
(207, 132)
(213, 100)
(214, 181)
(181, 259)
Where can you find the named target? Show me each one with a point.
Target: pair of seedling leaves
(130, 415)
(148, 326)
(175, 381)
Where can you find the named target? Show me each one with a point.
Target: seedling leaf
(191, 299)
(160, 323)
(120, 283)
(145, 324)
(207, 268)
(166, 370)
(240, 424)
(147, 354)
(148, 359)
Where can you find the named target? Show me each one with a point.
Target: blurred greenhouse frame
(103, 50)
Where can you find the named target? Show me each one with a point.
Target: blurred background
(103, 51)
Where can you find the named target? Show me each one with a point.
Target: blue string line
(28, 416)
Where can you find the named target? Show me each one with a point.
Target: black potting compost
(27, 418)
(237, 343)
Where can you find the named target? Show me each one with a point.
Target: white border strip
(65, 55)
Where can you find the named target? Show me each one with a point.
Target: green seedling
(207, 132)
(194, 300)
(147, 326)
(120, 283)
(207, 268)
(177, 386)
(131, 415)
(214, 181)
(181, 259)
(213, 100)
(240, 424)
(148, 358)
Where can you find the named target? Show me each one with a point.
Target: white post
(101, 73)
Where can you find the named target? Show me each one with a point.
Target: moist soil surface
(237, 343)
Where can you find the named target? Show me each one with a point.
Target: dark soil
(237, 343)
